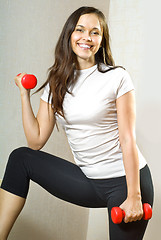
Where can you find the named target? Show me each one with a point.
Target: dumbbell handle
(117, 214)
(28, 81)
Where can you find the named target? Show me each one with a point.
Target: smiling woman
(87, 26)
(94, 101)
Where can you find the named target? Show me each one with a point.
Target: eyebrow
(84, 27)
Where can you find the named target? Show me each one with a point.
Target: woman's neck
(85, 65)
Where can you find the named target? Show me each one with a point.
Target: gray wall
(29, 31)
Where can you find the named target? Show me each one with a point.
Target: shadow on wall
(31, 230)
(49, 218)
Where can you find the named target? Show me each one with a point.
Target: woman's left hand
(133, 209)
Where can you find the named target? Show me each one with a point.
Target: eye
(79, 30)
(95, 33)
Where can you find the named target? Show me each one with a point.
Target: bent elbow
(36, 147)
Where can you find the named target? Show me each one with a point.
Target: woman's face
(86, 39)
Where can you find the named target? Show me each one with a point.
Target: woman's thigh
(61, 178)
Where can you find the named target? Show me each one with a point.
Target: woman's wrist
(134, 195)
(24, 93)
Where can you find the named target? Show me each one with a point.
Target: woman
(94, 101)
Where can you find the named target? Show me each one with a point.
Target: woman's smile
(84, 46)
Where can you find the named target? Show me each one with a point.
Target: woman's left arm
(126, 123)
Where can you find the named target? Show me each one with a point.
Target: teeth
(84, 46)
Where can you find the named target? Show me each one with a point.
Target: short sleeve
(45, 94)
(124, 85)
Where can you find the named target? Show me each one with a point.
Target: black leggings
(66, 181)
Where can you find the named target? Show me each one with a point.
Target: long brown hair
(61, 73)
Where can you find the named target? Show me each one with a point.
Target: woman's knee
(17, 173)
(18, 153)
(18, 157)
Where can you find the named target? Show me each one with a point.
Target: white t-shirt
(91, 126)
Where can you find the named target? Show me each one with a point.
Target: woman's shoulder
(117, 73)
(113, 69)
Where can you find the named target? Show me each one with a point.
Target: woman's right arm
(37, 129)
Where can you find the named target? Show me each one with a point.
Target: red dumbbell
(117, 214)
(28, 81)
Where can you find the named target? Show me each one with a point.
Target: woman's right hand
(19, 84)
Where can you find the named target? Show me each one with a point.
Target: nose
(87, 36)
